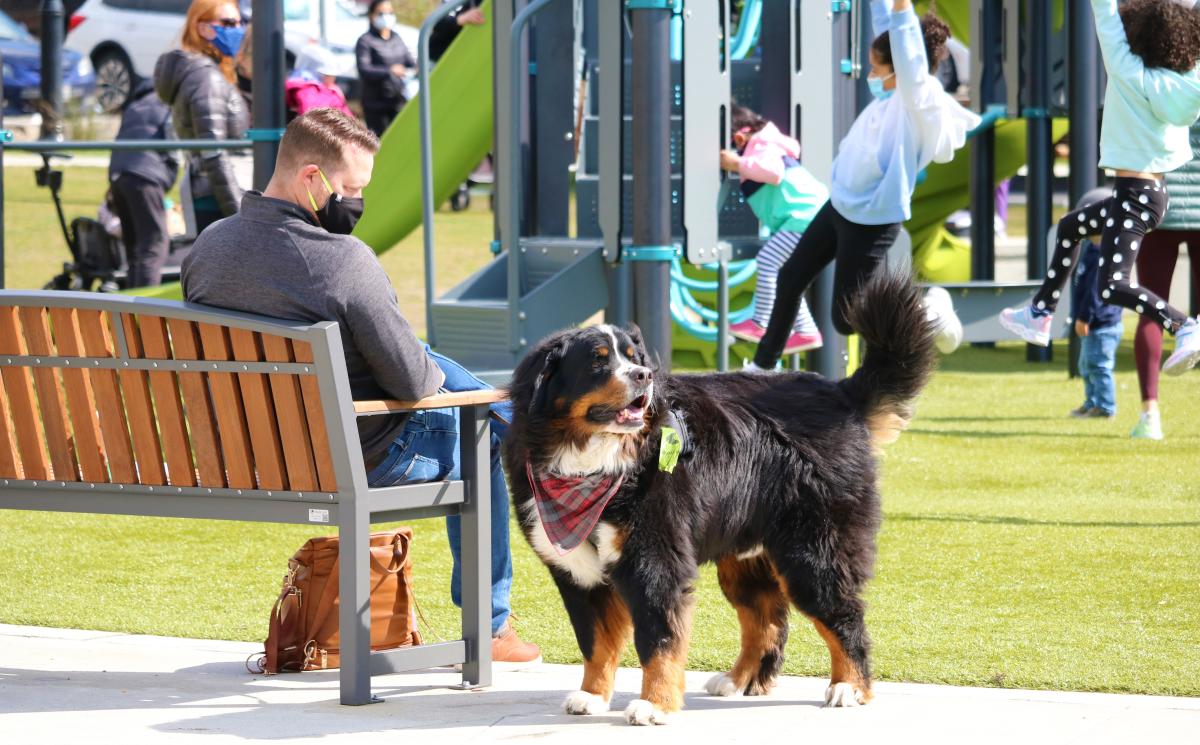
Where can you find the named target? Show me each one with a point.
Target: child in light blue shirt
(1151, 51)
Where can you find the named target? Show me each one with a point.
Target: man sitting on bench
(287, 253)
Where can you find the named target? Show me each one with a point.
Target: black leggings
(1136, 207)
(858, 249)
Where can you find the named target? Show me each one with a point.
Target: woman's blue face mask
(228, 40)
(876, 86)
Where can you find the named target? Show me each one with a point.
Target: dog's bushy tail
(889, 314)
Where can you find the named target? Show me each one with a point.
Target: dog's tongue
(630, 414)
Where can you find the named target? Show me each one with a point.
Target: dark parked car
(22, 56)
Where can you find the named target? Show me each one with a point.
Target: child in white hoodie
(1151, 51)
(912, 122)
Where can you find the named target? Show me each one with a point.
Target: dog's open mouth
(633, 415)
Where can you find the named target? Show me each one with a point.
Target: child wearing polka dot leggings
(1151, 51)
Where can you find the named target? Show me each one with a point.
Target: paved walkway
(69, 686)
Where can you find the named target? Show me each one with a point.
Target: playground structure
(658, 233)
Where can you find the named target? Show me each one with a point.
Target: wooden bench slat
(50, 395)
(135, 384)
(168, 404)
(197, 401)
(89, 444)
(10, 462)
(260, 412)
(289, 411)
(315, 415)
(231, 413)
(436, 401)
(19, 384)
(111, 407)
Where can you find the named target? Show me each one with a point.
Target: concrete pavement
(71, 686)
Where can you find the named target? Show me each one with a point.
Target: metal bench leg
(354, 613)
(475, 444)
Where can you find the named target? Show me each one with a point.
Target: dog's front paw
(641, 712)
(844, 694)
(722, 684)
(582, 702)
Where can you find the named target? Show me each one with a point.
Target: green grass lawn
(1020, 548)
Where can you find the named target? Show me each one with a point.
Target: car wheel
(114, 79)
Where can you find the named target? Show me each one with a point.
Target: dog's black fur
(785, 462)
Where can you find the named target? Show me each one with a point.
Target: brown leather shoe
(508, 647)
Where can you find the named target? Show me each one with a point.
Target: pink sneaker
(747, 330)
(803, 342)
(1022, 322)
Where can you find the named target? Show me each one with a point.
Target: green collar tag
(669, 449)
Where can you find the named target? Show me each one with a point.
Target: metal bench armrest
(436, 401)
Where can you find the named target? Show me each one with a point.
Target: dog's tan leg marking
(847, 686)
(611, 636)
(663, 676)
(759, 609)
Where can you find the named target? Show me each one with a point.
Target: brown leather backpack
(303, 634)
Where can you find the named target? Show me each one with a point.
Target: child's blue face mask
(876, 87)
(228, 40)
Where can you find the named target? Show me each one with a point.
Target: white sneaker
(939, 308)
(749, 366)
(1149, 426)
(1022, 322)
(1187, 349)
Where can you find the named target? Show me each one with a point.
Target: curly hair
(935, 31)
(1163, 33)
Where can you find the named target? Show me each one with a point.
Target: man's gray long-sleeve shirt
(273, 259)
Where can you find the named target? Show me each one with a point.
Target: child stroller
(98, 260)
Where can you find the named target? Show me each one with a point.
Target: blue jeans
(427, 450)
(1097, 358)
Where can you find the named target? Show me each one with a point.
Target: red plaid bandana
(570, 506)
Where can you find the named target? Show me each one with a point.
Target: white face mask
(384, 21)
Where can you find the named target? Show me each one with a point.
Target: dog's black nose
(641, 375)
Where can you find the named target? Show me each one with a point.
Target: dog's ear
(635, 333)
(549, 367)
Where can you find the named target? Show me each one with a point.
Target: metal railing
(426, 125)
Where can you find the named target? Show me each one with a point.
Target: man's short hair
(320, 136)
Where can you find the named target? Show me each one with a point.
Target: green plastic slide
(461, 114)
(938, 256)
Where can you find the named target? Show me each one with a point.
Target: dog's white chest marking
(603, 453)
(587, 563)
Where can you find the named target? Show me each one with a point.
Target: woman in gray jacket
(199, 83)
(1155, 270)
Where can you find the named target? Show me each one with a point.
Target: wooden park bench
(134, 406)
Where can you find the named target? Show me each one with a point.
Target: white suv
(124, 38)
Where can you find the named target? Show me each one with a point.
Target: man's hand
(472, 17)
(398, 70)
(1081, 328)
(730, 160)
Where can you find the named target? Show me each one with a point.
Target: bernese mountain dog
(625, 480)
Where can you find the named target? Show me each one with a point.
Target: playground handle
(512, 205)
(427, 205)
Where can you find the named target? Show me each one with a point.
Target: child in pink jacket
(784, 197)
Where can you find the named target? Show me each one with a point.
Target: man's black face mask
(339, 214)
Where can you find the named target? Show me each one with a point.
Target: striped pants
(770, 258)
